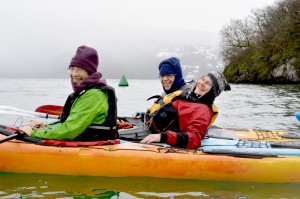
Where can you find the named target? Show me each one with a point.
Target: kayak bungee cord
(19, 118)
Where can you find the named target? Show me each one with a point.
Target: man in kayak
(90, 112)
(184, 121)
(171, 78)
(170, 75)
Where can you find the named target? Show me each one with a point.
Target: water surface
(244, 107)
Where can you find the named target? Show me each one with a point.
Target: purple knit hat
(86, 58)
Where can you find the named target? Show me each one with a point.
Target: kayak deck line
(268, 135)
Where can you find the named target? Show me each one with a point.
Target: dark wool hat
(172, 66)
(219, 83)
(86, 58)
(166, 69)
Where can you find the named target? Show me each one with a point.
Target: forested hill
(265, 46)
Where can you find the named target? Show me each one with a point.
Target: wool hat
(166, 68)
(86, 58)
(172, 66)
(219, 83)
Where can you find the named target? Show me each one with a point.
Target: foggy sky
(39, 37)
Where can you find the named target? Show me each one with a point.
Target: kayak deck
(248, 134)
(138, 132)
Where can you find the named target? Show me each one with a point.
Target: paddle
(7, 131)
(57, 110)
(50, 109)
(10, 137)
(9, 110)
(297, 116)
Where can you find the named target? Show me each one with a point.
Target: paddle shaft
(10, 137)
(9, 110)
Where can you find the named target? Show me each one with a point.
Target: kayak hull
(134, 159)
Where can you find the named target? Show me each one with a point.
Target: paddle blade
(297, 116)
(50, 109)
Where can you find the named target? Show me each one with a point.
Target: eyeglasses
(76, 69)
(169, 76)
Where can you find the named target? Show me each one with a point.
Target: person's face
(77, 74)
(203, 85)
(167, 81)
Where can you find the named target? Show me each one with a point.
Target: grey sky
(39, 37)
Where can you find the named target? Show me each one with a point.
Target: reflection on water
(56, 186)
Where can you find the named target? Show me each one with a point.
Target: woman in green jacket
(90, 112)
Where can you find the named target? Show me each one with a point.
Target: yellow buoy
(123, 81)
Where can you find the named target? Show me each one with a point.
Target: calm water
(244, 107)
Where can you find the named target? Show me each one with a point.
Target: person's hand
(151, 138)
(26, 129)
(37, 124)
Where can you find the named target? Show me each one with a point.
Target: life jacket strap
(103, 127)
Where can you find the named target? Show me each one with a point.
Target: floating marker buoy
(123, 81)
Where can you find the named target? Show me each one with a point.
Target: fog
(39, 37)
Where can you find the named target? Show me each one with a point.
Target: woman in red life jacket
(183, 123)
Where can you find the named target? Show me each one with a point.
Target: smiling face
(167, 81)
(77, 74)
(203, 85)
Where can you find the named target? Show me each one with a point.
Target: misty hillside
(196, 60)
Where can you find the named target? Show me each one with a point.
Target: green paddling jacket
(89, 108)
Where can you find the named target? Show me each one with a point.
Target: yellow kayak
(251, 134)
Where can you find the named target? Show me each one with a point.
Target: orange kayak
(129, 159)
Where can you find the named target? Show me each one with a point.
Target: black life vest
(162, 116)
(105, 131)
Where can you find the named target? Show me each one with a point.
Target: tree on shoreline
(254, 48)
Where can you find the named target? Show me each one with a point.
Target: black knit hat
(219, 83)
